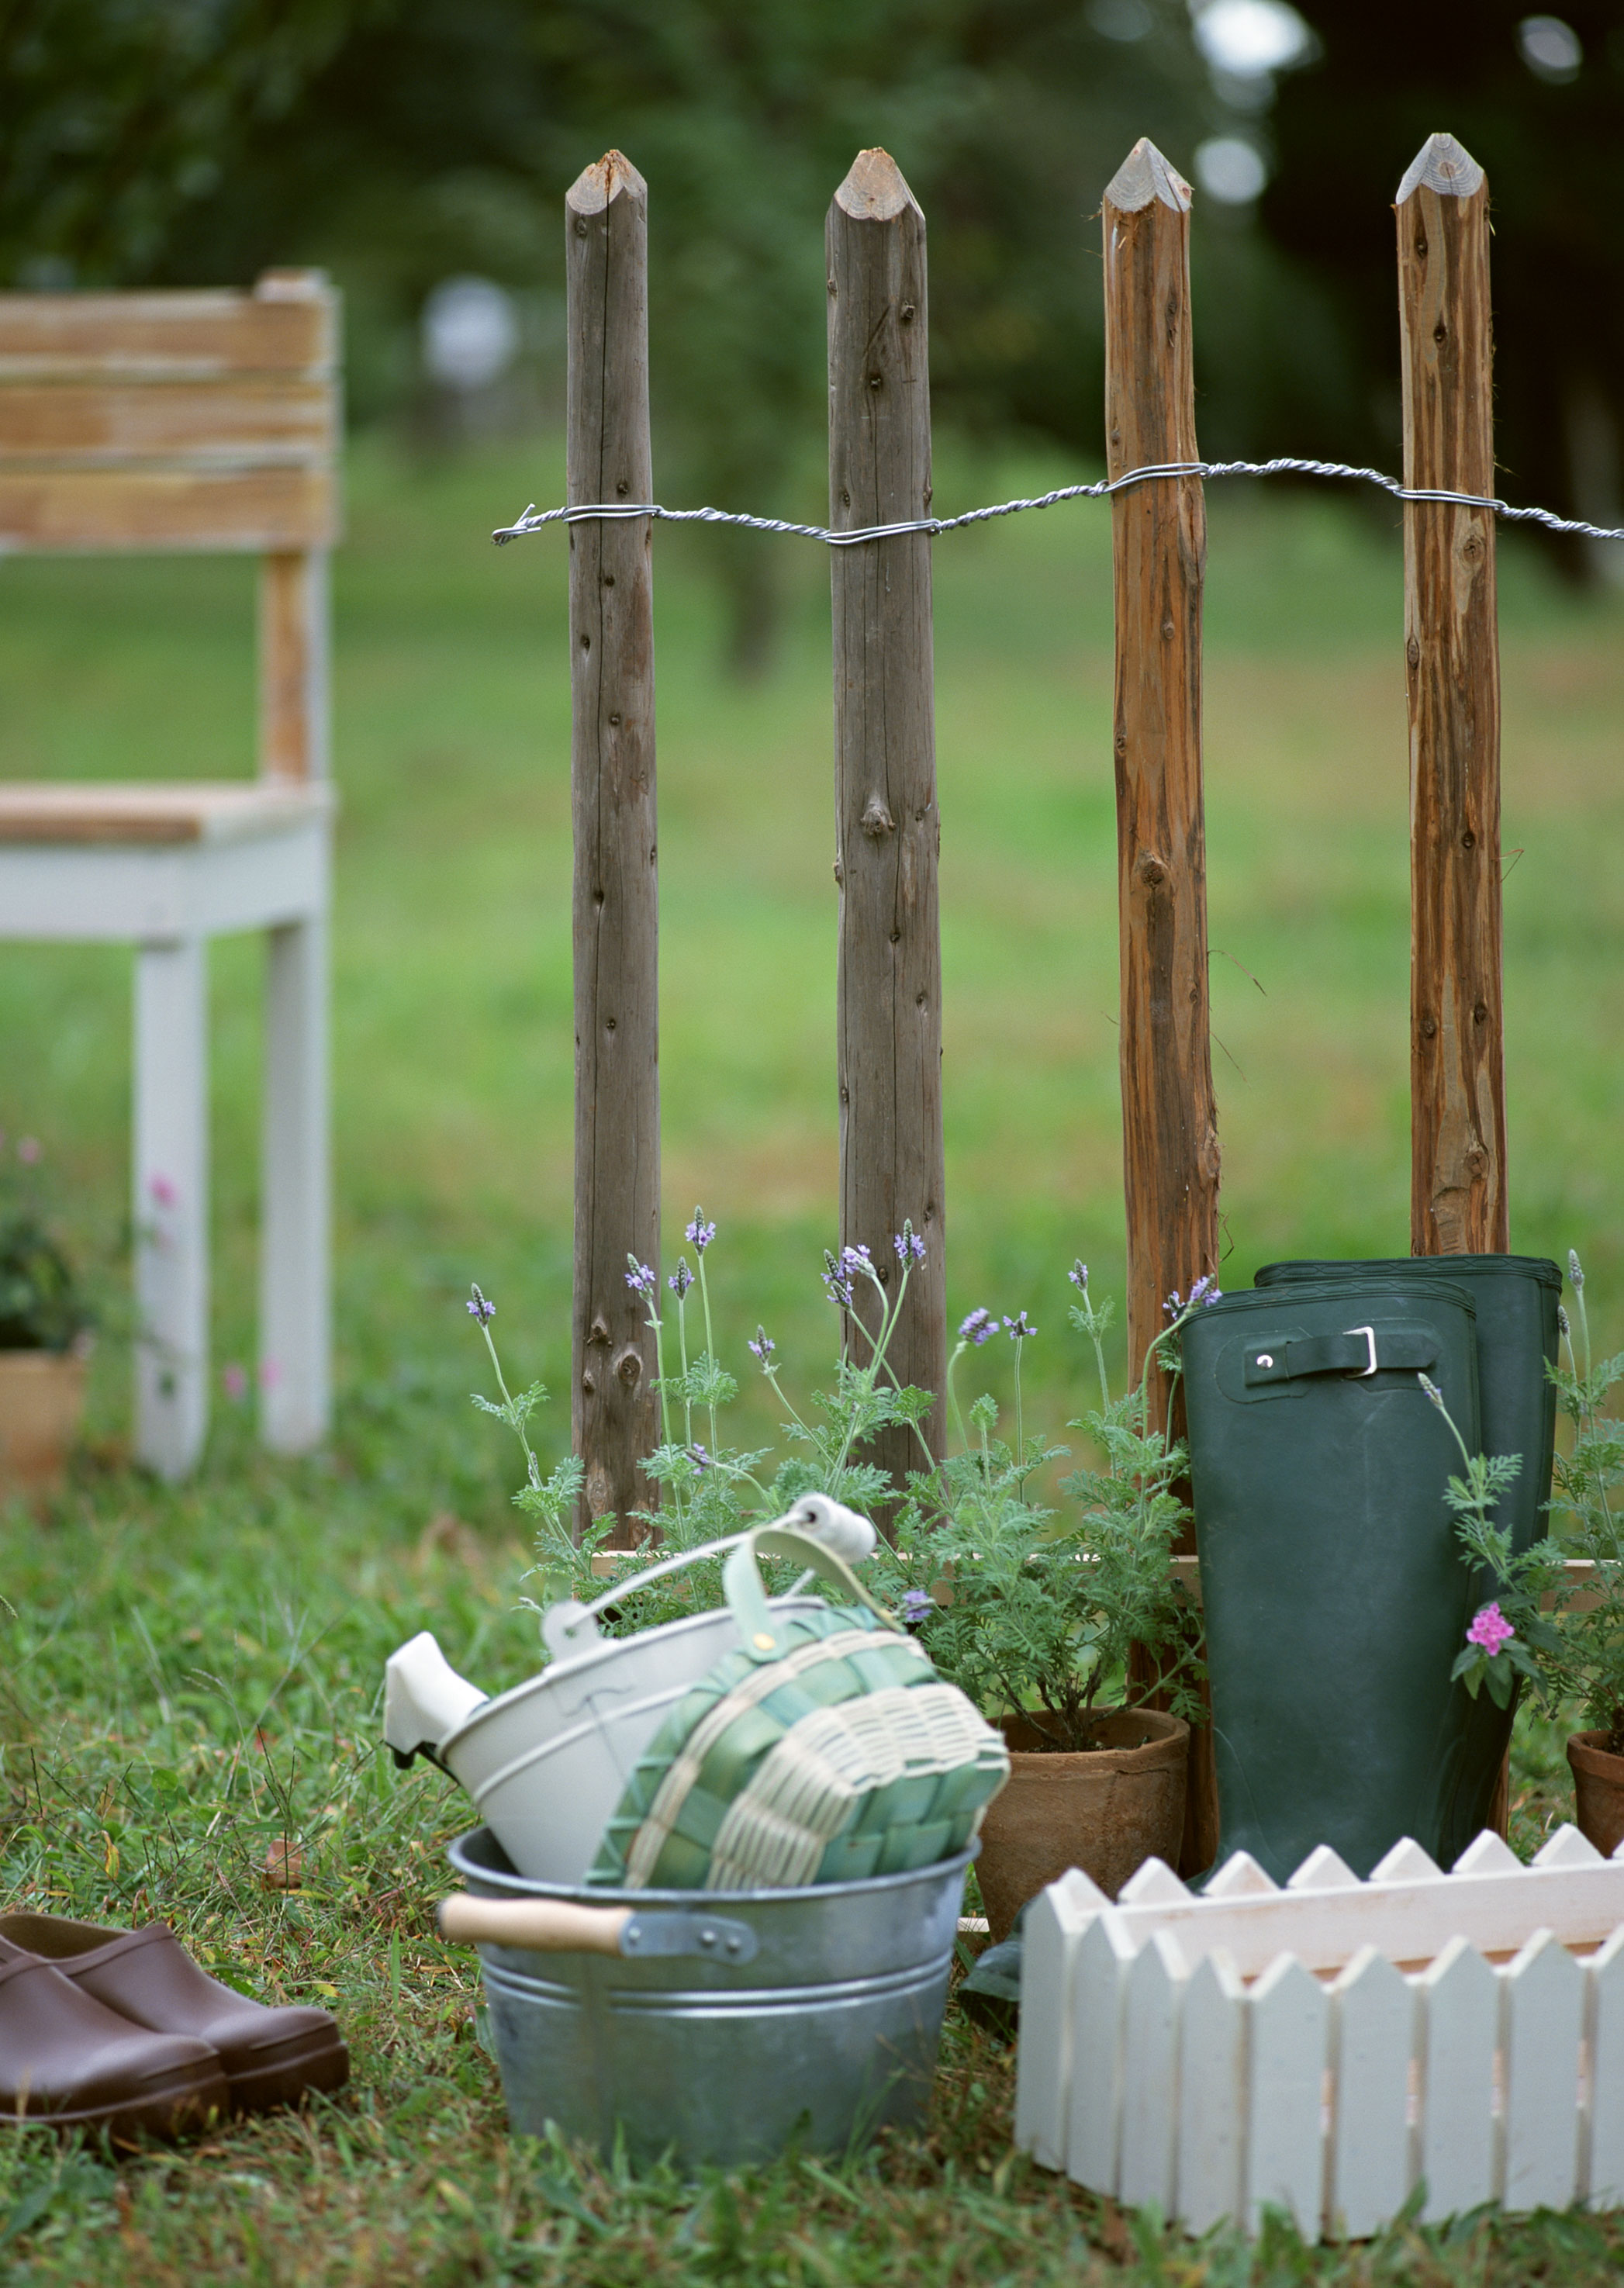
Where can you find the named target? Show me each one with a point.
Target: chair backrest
(194, 422)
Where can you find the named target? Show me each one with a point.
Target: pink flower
(1491, 1630)
(27, 1150)
(163, 1192)
(235, 1380)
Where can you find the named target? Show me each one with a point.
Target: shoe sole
(322, 2064)
(181, 2101)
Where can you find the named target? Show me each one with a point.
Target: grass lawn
(187, 1675)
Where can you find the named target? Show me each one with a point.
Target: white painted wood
(1567, 1847)
(1054, 1922)
(1407, 1862)
(170, 1205)
(1371, 2042)
(1457, 2029)
(1153, 1884)
(1488, 1854)
(295, 1336)
(1149, 2075)
(1099, 1984)
(1542, 2014)
(1239, 1878)
(119, 893)
(1212, 2095)
(1602, 2134)
(1323, 1870)
(1409, 1922)
(1286, 2043)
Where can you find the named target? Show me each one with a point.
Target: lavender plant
(1032, 1612)
(1585, 1480)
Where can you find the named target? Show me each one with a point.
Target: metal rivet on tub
(1263, 1359)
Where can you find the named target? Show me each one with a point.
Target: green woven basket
(824, 1749)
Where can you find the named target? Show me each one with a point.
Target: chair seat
(106, 812)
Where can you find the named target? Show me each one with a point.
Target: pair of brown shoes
(120, 2030)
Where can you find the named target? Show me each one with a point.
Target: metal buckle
(1369, 1334)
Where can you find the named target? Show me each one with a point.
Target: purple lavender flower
(700, 1233)
(908, 1243)
(681, 1279)
(1019, 1327)
(641, 1279)
(1173, 1305)
(1079, 1276)
(481, 1308)
(1565, 1327)
(836, 1282)
(700, 1458)
(854, 1260)
(978, 1327)
(1575, 1269)
(1206, 1290)
(916, 1606)
(764, 1348)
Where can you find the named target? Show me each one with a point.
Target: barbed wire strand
(1283, 466)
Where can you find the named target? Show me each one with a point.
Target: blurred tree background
(402, 143)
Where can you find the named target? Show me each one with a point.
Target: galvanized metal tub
(809, 2017)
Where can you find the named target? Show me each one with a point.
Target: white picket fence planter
(1325, 2048)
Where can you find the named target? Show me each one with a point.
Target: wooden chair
(196, 421)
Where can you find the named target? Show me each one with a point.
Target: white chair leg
(295, 1303)
(172, 1203)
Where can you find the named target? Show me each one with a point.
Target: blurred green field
(187, 1675)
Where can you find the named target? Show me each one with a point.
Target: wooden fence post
(1458, 1201)
(612, 770)
(888, 831)
(1159, 533)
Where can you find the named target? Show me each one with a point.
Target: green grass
(188, 1675)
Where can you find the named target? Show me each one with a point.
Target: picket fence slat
(1373, 2039)
(1212, 2085)
(1288, 2010)
(1325, 2047)
(1149, 2075)
(1541, 2011)
(1602, 2130)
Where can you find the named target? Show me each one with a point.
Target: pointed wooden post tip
(597, 186)
(875, 190)
(1442, 165)
(1145, 175)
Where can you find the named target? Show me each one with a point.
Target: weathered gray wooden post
(888, 831)
(612, 773)
(1458, 1196)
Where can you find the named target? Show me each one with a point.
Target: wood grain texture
(168, 508)
(615, 1409)
(235, 422)
(82, 811)
(293, 665)
(1169, 1117)
(1458, 1196)
(888, 830)
(288, 324)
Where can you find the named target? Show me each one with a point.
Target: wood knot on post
(599, 1331)
(629, 1366)
(1151, 868)
(876, 819)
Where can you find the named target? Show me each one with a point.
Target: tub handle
(560, 1926)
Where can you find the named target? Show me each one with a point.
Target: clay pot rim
(1168, 1745)
(1604, 1761)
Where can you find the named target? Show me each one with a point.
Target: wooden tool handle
(546, 1925)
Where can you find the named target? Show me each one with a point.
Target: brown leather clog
(270, 2056)
(67, 2062)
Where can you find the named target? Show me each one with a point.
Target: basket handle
(761, 1632)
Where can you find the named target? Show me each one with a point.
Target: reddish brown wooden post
(1169, 1119)
(1458, 1199)
(612, 768)
(887, 831)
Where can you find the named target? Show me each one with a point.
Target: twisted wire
(1283, 464)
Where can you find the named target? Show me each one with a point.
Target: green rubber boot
(1335, 1596)
(1516, 1298)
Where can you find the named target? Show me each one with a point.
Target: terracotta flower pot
(42, 1397)
(1104, 1809)
(1598, 1789)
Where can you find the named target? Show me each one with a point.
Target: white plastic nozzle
(841, 1529)
(424, 1699)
